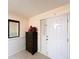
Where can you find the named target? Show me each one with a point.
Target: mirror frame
(18, 22)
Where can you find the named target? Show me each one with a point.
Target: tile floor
(27, 55)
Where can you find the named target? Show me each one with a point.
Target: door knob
(46, 39)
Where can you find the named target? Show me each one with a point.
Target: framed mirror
(13, 28)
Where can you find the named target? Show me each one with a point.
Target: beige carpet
(27, 55)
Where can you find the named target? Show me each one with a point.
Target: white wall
(35, 21)
(17, 44)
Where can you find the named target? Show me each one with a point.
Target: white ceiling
(29, 8)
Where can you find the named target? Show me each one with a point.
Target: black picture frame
(9, 26)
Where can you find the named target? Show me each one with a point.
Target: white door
(43, 33)
(54, 37)
(57, 44)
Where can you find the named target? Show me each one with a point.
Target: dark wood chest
(31, 42)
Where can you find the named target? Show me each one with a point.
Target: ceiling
(29, 8)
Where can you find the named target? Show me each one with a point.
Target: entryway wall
(17, 44)
(35, 21)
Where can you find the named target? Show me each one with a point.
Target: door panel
(43, 37)
(57, 37)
